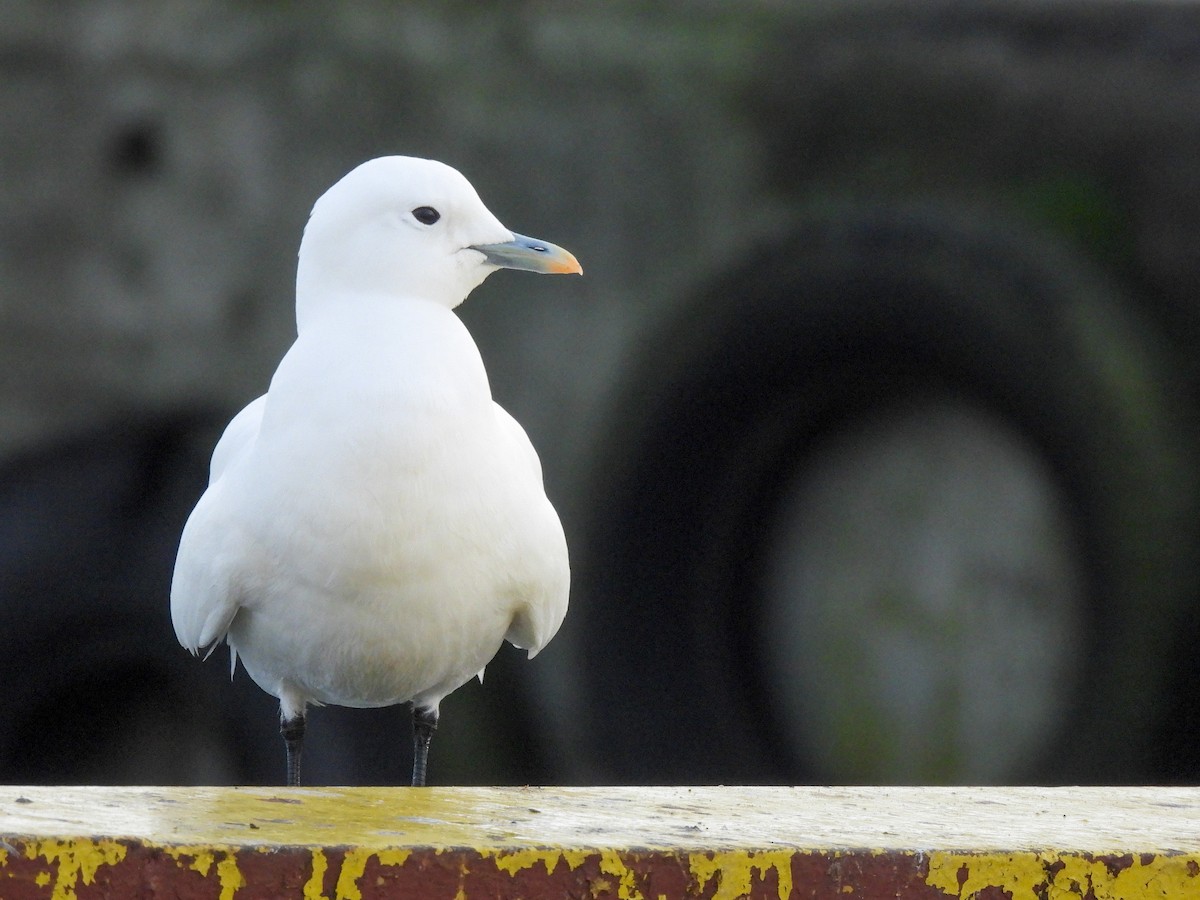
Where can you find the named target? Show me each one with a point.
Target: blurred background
(873, 424)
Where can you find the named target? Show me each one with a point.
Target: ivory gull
(375, 526)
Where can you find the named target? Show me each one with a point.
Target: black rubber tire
(856, 310)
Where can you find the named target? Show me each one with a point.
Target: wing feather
(203, 602)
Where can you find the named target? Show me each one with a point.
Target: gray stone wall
(160, 160)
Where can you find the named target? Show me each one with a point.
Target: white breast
(388, 527)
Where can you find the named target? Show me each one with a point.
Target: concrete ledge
(629, 843)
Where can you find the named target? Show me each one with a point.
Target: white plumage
(375, 525)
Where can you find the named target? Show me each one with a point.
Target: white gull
(375, 526)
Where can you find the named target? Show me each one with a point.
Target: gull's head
(400, 226)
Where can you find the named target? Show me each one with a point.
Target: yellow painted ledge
(628, 843)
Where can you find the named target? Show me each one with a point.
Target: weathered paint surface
(1035, 876)
(633, 844)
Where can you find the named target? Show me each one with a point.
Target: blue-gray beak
(531, 255)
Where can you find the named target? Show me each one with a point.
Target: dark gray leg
(424, 725)
(293, 738)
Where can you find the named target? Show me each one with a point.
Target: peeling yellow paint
(612, 864)
(229, 877)
(520, 860)
(76, 859)
(42, 879)
(393, 857)
(314, 888)
(1015, 873)
(202, 859)
(355, 864)
(575, 858)
(1029, 876)
(736, 869)
(514, 861)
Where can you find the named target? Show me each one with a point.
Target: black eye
(426, 215)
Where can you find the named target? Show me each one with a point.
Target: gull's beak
(531, 255)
